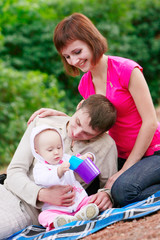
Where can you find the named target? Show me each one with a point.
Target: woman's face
(78, 54)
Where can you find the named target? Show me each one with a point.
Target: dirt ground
(138, 229)
(147, 228)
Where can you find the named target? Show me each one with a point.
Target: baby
(52, 168)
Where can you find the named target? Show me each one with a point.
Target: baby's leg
(53, 218)
(87, 212)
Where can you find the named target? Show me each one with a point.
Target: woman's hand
(44, 112)
(112, 179)
(102, 200)
(57, 195)
(79, 104)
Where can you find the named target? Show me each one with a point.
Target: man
(21, 199)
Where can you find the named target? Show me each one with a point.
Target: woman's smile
(78, 54)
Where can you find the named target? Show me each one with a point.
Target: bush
(143, 42)
(131, 27)
(21, 94)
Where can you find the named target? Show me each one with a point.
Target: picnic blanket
(80, 229)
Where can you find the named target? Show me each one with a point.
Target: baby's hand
(64, 167)
(87, 155)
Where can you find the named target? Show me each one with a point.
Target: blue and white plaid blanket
(80, 229)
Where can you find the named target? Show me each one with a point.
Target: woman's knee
(124, 192)
(117, 192)
(129, 187)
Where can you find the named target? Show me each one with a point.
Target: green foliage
(155, 90)
(21, 94)
(27, 36)
(132, 30)
(27, 30)
(143, 41)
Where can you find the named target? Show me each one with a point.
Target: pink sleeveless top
(128, 122)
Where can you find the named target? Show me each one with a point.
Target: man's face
(78, 127)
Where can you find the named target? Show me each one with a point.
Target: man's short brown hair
(101, 111)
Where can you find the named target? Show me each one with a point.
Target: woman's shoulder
(121, 60)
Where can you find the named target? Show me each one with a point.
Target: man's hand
(112, 179)
(57, 195)
(102, 200)
(45, 112)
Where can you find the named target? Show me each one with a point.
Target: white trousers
(13, 216)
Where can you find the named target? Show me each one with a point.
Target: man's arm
(17, 173)
(20, 180)
(102, 200)
(57, 195)
(106, 158)
(106, 161)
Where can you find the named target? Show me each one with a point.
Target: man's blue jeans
(138, 182)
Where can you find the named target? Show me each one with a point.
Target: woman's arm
(142, 98)
(45, 112)
(79, 104)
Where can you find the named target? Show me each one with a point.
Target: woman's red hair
(78, 27)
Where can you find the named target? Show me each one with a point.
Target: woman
(136, 131)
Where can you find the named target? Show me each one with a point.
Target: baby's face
(48, 144)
